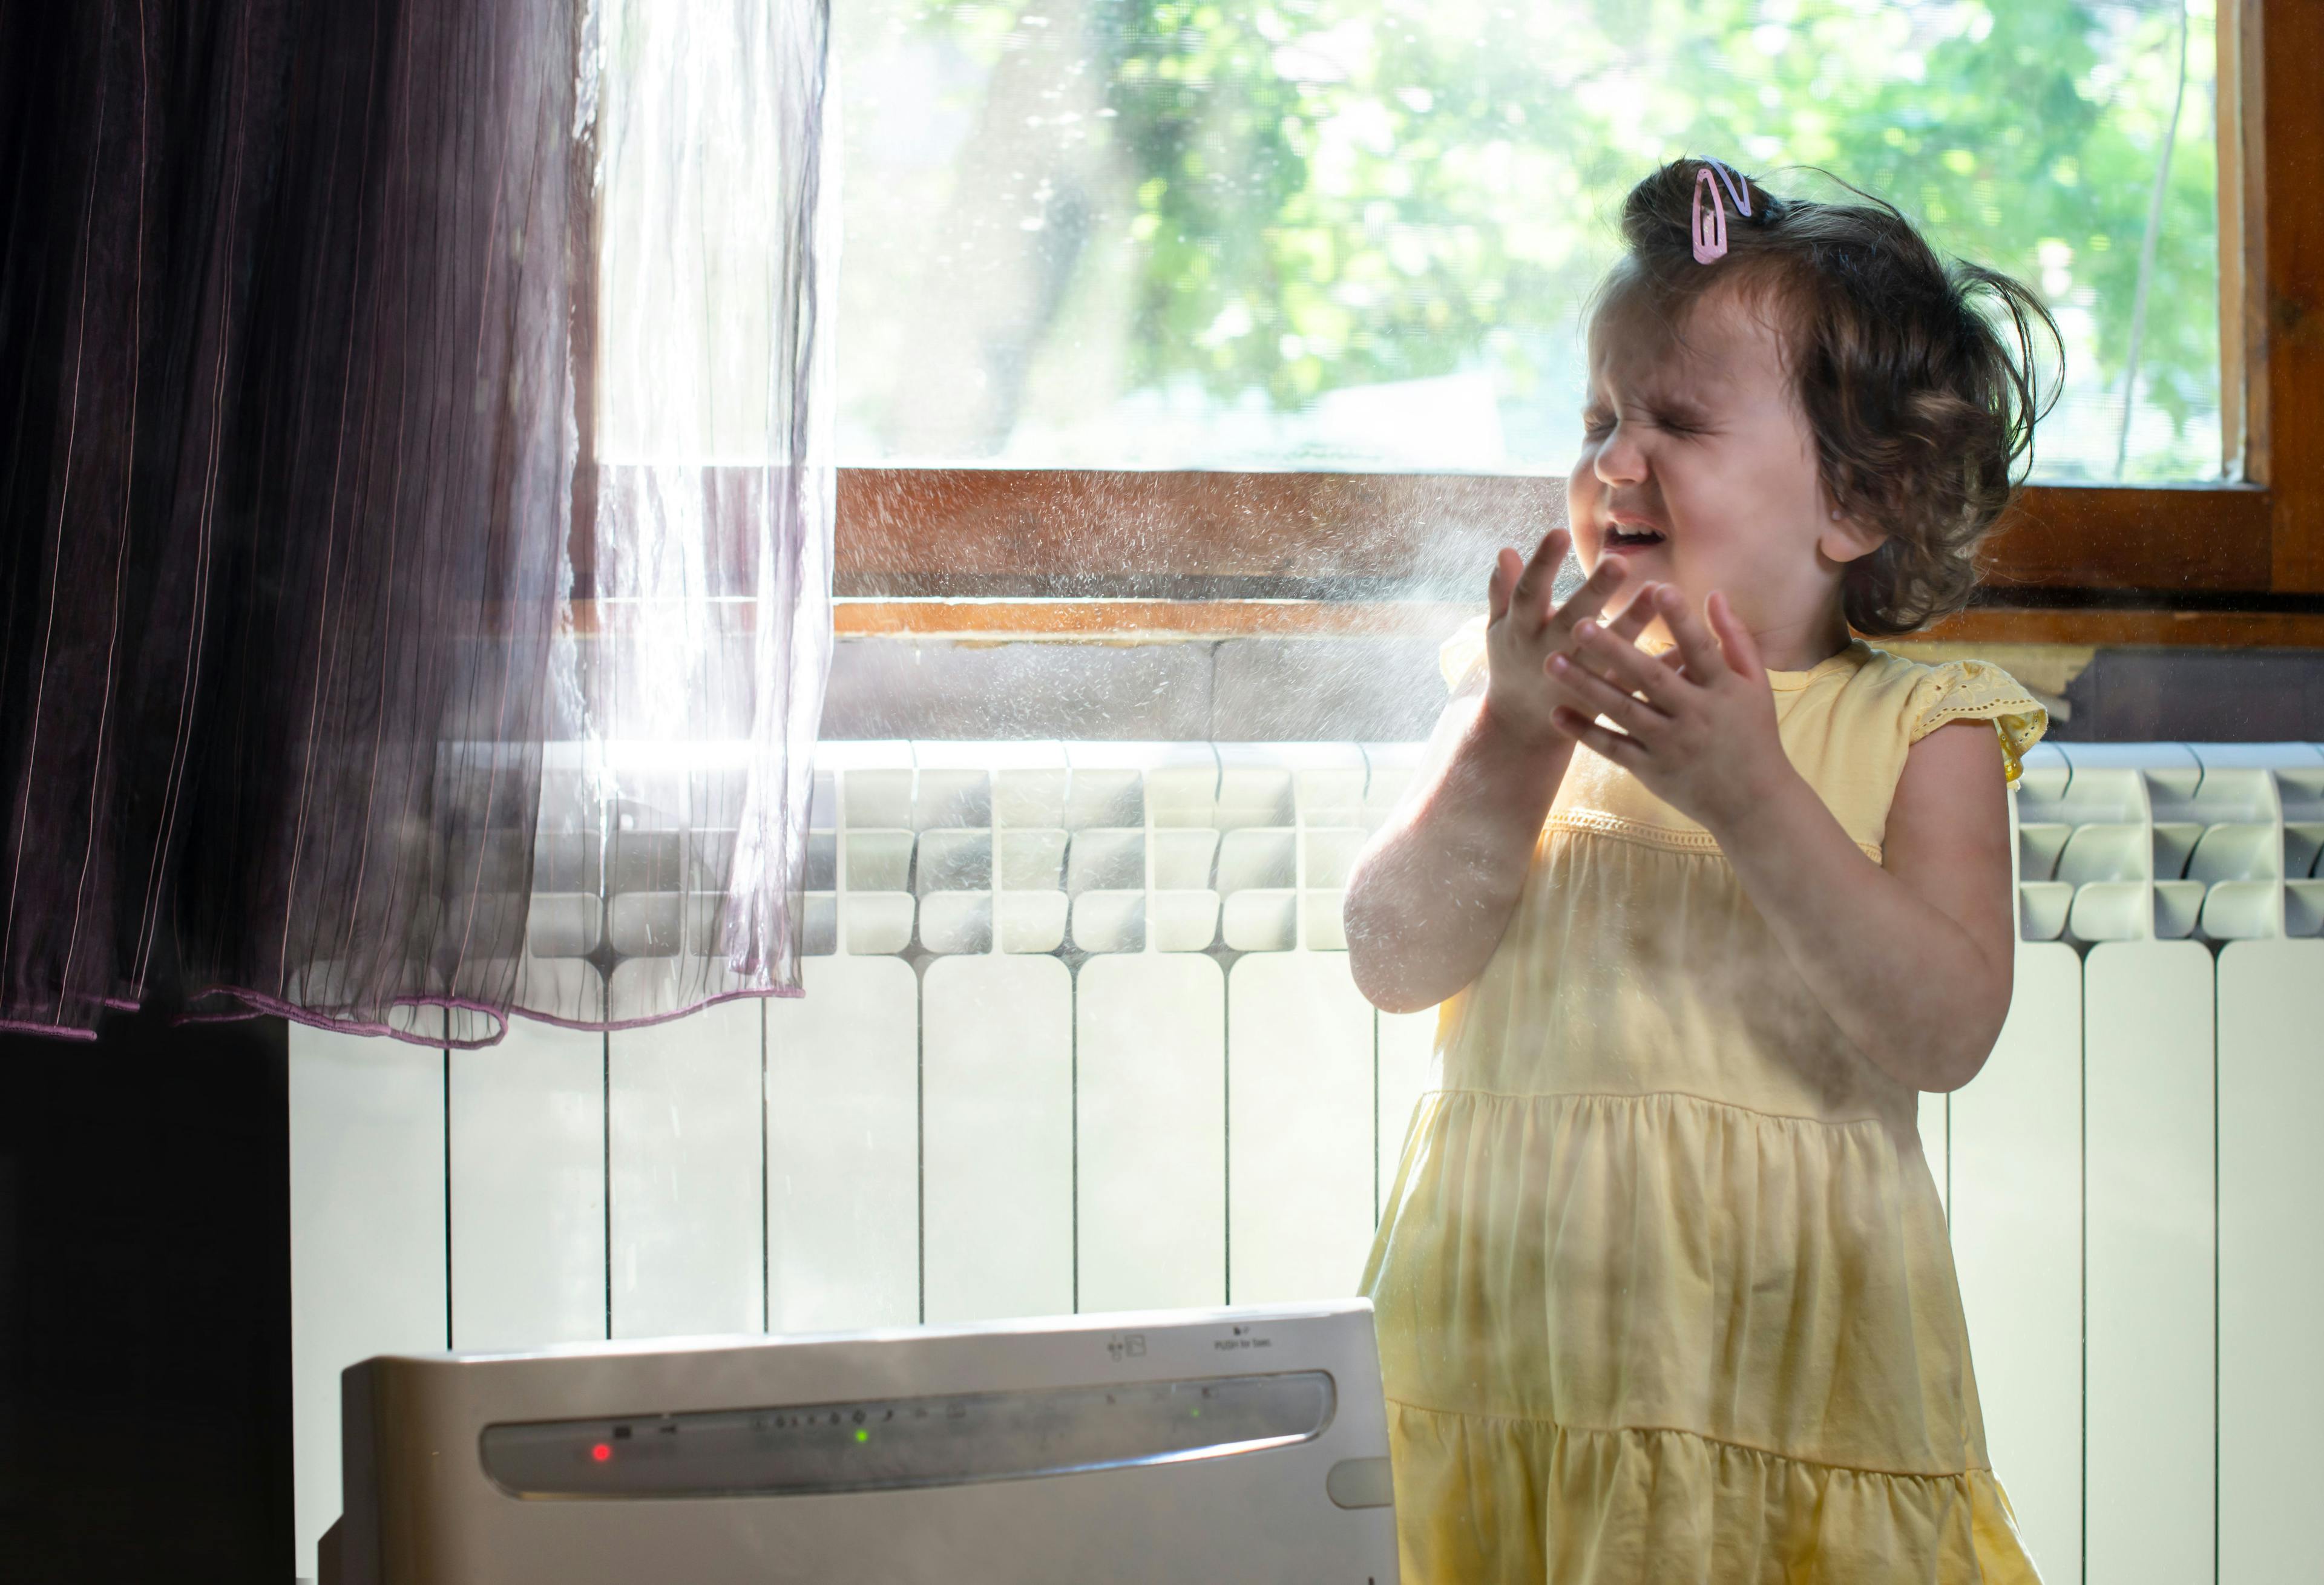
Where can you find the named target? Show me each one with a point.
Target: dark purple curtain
(299, 306)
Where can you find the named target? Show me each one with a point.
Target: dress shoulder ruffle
(1976, 691)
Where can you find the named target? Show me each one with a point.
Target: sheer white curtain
(690, 678)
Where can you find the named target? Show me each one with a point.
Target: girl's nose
(1621, 460)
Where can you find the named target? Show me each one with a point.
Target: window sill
(1005, 534)
(1143, 622)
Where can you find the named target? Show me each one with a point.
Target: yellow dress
(1663, 1290)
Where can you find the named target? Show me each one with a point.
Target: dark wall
(1387, 689)
(146, 1306)
(2197, 696)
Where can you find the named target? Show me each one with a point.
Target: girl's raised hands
(1525, 635)
(1697, 726)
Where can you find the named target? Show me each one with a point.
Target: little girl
(1710, 890)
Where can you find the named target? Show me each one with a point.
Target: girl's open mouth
(1631, 537)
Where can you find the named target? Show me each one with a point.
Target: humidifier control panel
(878, 1444)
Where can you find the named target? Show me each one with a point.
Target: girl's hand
(1523, 635)
(1698, 725)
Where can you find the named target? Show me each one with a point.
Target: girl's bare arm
(1431, 894)
(1913, 957)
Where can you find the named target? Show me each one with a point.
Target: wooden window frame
(994, 554)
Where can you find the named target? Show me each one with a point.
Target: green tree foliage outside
(1339, 192)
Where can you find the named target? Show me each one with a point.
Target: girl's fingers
(1622, 750)
(1591, 598)
(1741, 650)
(1635, 615)
(1531, 592)
(1606, 698)
(1506, 568)
(1703, 656)
(1629, 667)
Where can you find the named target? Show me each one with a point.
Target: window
(1357, 235)
(1193, 300)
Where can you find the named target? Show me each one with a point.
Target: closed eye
(1597, 423)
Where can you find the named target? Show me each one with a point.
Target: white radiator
(1165, 1091)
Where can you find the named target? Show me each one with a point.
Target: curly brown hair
(1922, 397)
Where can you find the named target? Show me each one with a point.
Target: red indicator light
(602, 1452)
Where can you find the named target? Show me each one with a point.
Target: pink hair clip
(1710, 235)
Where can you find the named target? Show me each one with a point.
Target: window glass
(1358, 233)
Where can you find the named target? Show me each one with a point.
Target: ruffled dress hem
(1660, 1506)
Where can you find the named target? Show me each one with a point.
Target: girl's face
(1699, 469)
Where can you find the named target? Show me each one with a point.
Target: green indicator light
(864, 1436)
(1198, 1414)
